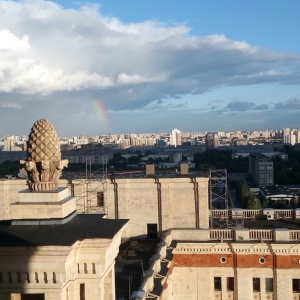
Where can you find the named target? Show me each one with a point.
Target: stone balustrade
(254, 213)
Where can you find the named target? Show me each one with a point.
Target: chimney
(150, 169)
(184, 169)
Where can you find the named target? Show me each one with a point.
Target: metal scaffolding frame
(100, 177)
(219, 198)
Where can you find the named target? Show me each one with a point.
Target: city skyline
(111, 67)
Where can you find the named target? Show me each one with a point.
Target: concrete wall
(180, 202)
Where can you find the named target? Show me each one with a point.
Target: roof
(275, 190)
(82, 226)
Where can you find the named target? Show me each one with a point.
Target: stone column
(244, 287)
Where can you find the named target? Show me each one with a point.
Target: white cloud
(72, 50)
(10, 42)
(52, 55)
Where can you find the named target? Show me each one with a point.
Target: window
(217, 284)
(262, 260)
(45, 277)
(269, 284)
(27, 277)
(19, 277)
(296, 285)
(9, 277)
(100, 199)
(256, 284)
(223, 260)
(230, 283)
(82, 291)
(53, 277)
(36, 277)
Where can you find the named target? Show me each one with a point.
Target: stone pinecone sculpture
(43, 142)
(43, 164)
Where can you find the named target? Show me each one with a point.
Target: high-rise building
(212, 141)
(286, 134)
(194, 140)
(297, 136)
(175, 137)
(9, 143)
(261, 169)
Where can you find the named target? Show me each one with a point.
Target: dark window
(230, 283)
(53, 277)
(217, 284)
(9, 277)
(82, 291)
(296, 285)
(256, 284)
(100, 199)
(19, 277)
(45, 277)
(269, 284)
(152, 231)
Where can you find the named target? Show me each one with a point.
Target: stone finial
(43, 163)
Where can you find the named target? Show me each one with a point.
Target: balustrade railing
(221, 234)
(261, 234)
(294, 235)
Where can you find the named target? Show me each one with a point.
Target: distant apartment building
(9, 143)
(286, 135)
(194, 141)
(261, 169)
(212, 141)
(175, 137)
(236, 134)
(297, 136)
(290, 136)
(80, 140)
(240, 142)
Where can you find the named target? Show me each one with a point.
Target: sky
(140, 66)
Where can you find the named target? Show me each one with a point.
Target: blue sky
(138, 66)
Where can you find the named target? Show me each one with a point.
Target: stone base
(42, 186)
(57, 195)
(32, 205)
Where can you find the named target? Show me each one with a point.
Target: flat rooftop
(82, 226)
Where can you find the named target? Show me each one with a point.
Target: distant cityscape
(175, 138)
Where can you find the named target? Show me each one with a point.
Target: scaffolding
(96, 186)
(219, 199)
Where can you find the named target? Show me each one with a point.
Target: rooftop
(83, 226)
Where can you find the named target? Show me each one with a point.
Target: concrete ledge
(45, 196)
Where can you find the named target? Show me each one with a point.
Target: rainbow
(101, 112)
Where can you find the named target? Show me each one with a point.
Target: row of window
(229, 283)
(27, 278)
(256, 281)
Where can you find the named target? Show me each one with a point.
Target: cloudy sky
(124, 66)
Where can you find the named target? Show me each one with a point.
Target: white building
(175, 137)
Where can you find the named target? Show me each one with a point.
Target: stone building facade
(152, 205)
